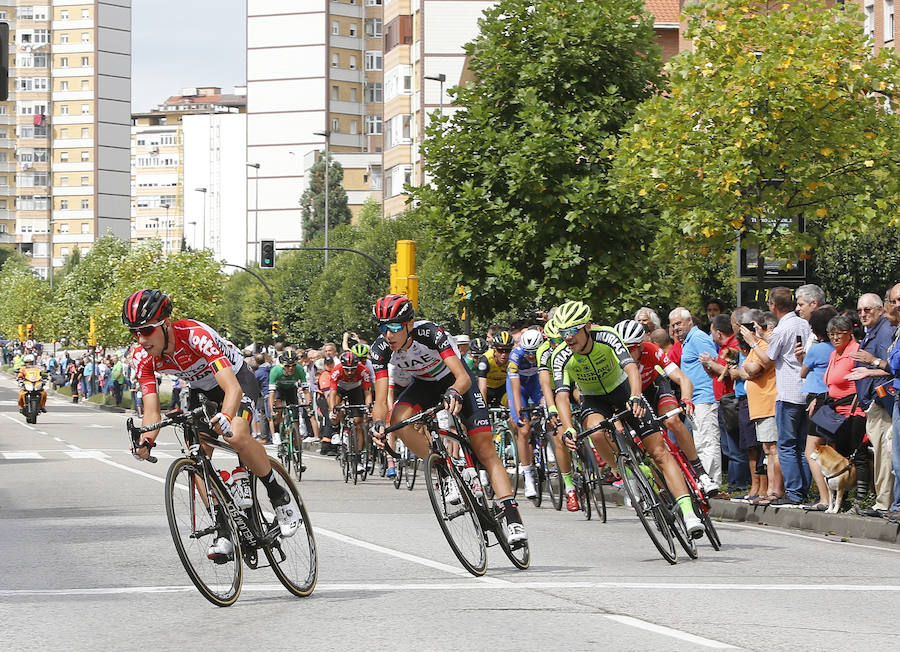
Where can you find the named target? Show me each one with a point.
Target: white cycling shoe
(451, 493)
(694, 525)
(289, 518)
(515, 533)
(221, 549)
(709, 486)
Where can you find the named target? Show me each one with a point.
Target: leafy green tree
(845, 273)
(312, 202)
(23, 298)
(519, 200)
(246, 311)
(779, 111)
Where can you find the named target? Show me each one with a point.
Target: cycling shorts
(250, 393)
(287, 396)
(422, 395)
(661, 396)
(529, 390)
(608, 404)
(354, 396)
(496, 396)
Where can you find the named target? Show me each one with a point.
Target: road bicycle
(505, 443)
(586, 477)
(353, 462)
(699, 499)
(405, 466)
(198, 504)
(292, 431)
(546, 470)
(645, 484)
(465, 518)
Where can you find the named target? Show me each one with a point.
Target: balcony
(348, 10)
(350, 108)
(73, 48)
(7, 119)
(6, 191)
(347, 75)
(347, 140)
(70, 96)
(6, 143)
(346, 42)
(7, 166)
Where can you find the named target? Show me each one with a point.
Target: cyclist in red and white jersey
(197, 354)
(658, 391)
(350, 382)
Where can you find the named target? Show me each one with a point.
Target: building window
(85, 61)
(85, 156)
(375, 177)
(335, 60)
(335, 125)
(335, 28)
(41, 36)
(373, 27)
(85, 13)
(870, 19)
(40, 60)
(63, 85)
(64, 157)
(63, 38)
(373, 125)
(64, 14)
(85, 37)
(63, 228)
(335, 93)
(63, 204)
(64, 109)
(373, 60)
(397, 131)
(373, 3)
(85, 132)
(64, 62)
(352, 62)
(354, 94)
(85, 181)
(85, 109)
(85, 227)
(85, 204)
(353, 29)
(888, 21)
(354, 126)
(398, 32)
(373, 92)
(85, 85)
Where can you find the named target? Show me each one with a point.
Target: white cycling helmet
(531, 339)
(29, 358)
(630, 331)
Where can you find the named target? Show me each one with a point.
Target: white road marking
(59, 439)
(809, 537)
(668, 631)
(73, 447)
(82, 455)
(96, 425)
(22, 455)
(21, 423)
(43, 433)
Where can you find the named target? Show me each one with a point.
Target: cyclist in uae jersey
(425, 351)
(596, 359)
(194, 352)
(657, 389)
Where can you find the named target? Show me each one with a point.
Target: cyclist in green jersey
(285, 380)
(596, 360)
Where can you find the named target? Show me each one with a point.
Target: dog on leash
(839, 472)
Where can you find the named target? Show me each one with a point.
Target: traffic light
(403, 272)
(4, 62)
(21, 332)
(275, 327)
(267, 254)
(29, 330)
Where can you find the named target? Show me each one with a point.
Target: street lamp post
(327, 135)
(168, 244)
(203, 230)
(193, 225)
(441, 78)
(255, 212)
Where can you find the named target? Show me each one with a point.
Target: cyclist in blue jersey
(523, 385)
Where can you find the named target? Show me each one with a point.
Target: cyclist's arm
(151, 415)
(380, 405)
(564, 405)
(547, 388)
(515, 389)
(463, 381)
(678, 376)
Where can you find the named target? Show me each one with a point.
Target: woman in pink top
(848, 440)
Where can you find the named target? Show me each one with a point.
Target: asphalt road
(87, 562)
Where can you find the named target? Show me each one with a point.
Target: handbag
(728, 406)
(829, 420)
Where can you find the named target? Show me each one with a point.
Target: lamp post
(327, 135)
(167, 245)
(203, 230)
(441, 78)
(255, 212)
(193, 225)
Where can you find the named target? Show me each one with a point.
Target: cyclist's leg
(410, 402)
(594, 411)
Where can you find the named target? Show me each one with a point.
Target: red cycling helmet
(145, 307)
(349, 360)
(394, 308)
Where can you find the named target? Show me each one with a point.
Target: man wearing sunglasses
(492, 370)
(197, 354)
(596, 360)
(423, 350)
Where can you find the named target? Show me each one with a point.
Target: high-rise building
(64, 130)
(165, 172)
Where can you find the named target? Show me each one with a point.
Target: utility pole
(327, 135)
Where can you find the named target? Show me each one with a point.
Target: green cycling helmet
(550, 329)
(572, 313)
(360, 350)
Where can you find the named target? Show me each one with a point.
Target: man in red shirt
(350, 380)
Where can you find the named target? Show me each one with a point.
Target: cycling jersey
(598, 372)
(423, 360)
(652, 355)
(520, 366)
(358, 376)
(543, 355)
(398, 377)
(281, 382)
(489, 368)
(200, 352)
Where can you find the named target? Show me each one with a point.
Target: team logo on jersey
(204, 345)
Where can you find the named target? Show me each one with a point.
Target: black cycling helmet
(349, 360)
(288, 357)
(478, 346)
(145, 307)
(503, 341)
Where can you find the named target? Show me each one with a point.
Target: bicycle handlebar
(173, 417)
(657, 421)
(430, 413)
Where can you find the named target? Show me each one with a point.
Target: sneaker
(221, 550)
(391, 472)
(288, 517)
(572, 500)
(708, 485)
(694, 525)
(451, 493)
(515, 533)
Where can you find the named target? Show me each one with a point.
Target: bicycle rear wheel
(411, 470)
(552, 477)
(192, 522)
(458, 522)
(510, 459)
(648, 507)
(297, 452)
(293, 559)
(399, 465)
(594, 484)
(520, 554)
(711, 533)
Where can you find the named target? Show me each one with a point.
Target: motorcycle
(33, 384)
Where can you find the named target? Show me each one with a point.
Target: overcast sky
(185, 43)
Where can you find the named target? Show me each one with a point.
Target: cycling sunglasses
(502, 349)
(147, 330)
(393, 327)
(571, 331)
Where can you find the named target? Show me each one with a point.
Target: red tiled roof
(664, 11)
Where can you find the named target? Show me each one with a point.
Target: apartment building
(160, 187)
(63, 131)
(314, 72)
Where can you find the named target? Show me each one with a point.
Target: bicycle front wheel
(293, 559)
(195, 512)
(711, 533)
(594, 484)
(458, 521)
(647, 506)
(296, 452)
(411, 469)
(510, 459)
(552, 477)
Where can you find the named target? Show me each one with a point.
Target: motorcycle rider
(29, 363)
